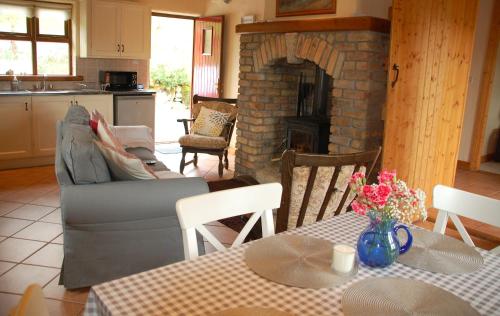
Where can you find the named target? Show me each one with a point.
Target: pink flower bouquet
(389, 199)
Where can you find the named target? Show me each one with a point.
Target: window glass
(16, 55)
(51, 22)
(53, 58)
(13, 18)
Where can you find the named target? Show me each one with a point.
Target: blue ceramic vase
(378, 245)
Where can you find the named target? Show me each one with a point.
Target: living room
(289, 111)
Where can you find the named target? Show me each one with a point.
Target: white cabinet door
(47, 110)
(135, 31)
(15, 129)
(105, 29)
(102, 103)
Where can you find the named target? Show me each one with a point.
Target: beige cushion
(209, 122)
(168, 174)
(321, 183)
(216, 106)
(125, 166)
(200, 141)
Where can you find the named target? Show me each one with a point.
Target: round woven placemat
(439, 253)
(395, 296)
(251, 311)
(294, 260)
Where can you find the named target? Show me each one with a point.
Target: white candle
(343, 258)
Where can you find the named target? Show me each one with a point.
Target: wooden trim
(465, 165)
(361, 23)
(485, 89)
(306, 12)
(41, 78)
(174, 16)
(487, 157)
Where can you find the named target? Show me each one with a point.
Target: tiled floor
(31, 249)
(30, 228)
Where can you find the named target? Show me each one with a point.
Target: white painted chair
(451, 202)
(195, 211)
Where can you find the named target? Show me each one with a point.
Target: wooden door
(207, 57)
(47, 110)
(431, 42)
(135, 31)
(15, 129)
(105, 38)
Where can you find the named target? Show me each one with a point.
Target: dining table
(222, 280)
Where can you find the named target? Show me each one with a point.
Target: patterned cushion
(323, 178)
(124, 166)
(216, 106)
(200, 141)
(209, 122)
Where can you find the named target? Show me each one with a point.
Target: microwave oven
(119, 80)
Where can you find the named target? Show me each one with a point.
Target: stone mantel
(359, 23)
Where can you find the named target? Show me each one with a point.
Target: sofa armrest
(135, 136)
(122, 201)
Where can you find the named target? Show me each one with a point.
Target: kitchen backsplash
(89, 68)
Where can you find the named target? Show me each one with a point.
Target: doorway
(170, 72)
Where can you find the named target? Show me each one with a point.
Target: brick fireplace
(271, 64)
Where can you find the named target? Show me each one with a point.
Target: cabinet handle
(76, 102)
(118, 47)
(123, 48)
(71, 102)
(26, 106)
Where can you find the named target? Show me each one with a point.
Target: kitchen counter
(53, 92)
(134, 92)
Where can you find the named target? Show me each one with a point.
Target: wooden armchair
(218, 146)
(315, 187)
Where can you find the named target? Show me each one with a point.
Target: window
(35, 38)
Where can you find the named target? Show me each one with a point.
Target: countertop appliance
(119, 80)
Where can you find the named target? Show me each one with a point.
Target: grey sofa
(118, 228)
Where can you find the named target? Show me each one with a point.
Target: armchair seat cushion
(200, 141)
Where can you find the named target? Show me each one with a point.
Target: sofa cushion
(124, 166)
(77, 114)
(200, 141)
(83, 159)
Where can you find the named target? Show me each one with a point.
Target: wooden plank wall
(431, 41)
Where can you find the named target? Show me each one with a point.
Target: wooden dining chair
(32, 303)
(315, 187)
(218, 145)
(451, 202)
(195, 211)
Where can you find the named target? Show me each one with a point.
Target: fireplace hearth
(336, 108)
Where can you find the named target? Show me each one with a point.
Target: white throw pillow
(210, 122)
(124, 166)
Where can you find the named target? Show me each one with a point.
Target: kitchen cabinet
(28, 128)
(102, 103)
(116, 29)
(47, 110)
(15, 129)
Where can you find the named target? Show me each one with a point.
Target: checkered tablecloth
(222, 280)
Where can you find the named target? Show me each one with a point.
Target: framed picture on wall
(305, 7)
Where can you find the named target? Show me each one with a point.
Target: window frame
(33, 35)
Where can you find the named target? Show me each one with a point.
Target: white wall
(484, 13)
(182, 7)
(233, 12)
(493, 123)
(376, 8)
(266, 10)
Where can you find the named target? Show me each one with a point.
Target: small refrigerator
(135, 110)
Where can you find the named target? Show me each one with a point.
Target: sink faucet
(82, 86)
(43, 84)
